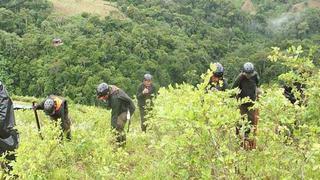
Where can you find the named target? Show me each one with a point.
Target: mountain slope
(75, 7)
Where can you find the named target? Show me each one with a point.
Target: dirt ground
(248, 6)
(75, 7)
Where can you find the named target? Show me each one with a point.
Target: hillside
(91, 152)
(175, 41)
(191, 135)
(276, 8)
(192, 132)
(248, 7)
(76, 7)
(304, 5)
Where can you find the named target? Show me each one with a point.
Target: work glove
(145, 91)
(128, 115)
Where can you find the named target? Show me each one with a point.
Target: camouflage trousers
(249, 127)
(119, 128)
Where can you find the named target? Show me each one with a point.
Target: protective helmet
(57, 42)
(102, 89)
(248, 68)
(147, 76)
(219, 70)
(48, 106)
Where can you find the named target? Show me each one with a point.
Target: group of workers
(56, 108)
(248, 83)
(122, 107)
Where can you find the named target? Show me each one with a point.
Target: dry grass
(248, 7)
(76, 7)
(314, 4)
(307, 4)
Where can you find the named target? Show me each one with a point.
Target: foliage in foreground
(192, 135)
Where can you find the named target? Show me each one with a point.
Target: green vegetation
(192, 134)
(175, 41)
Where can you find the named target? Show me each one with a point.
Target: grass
(91, 152)
(76, 7)
(238, 3)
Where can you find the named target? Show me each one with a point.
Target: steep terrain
(303, 5)
(75, 7)
(248, 7)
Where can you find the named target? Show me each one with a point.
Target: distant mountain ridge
(252, 7)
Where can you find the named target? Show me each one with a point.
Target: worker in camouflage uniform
(9, 138)
(122, 108)
(57, 107)
(217, 81)
(145, 93)
(248, 83)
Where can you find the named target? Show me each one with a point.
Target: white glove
(128, 115)
(145, 91)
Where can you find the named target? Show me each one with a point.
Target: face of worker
(103, 98)
(248, 75)
(147, 82)
(214, 79)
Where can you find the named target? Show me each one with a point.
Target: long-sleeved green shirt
(247, 85)
(119, 102)
(142, 98)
